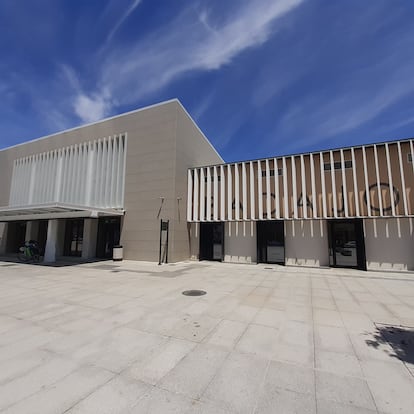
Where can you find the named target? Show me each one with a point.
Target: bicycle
(29, 253)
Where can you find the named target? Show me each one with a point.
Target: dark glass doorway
(271, 242)
(42, 235)
(212, 241)
(73, 238)
(346, 244)
(16, 236)
(109, 232)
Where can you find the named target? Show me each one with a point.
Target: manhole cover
(194, 292)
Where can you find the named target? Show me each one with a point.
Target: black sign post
(163, 255)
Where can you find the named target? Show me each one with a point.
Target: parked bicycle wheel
(22, 256)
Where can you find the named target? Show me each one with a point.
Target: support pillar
(3, 238)
(90, 230)
(51, 242)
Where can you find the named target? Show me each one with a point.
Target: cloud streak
(188, 43)
(121, 21)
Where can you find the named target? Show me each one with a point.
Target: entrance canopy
(54, 211)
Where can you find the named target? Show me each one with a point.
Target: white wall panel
(72, 175)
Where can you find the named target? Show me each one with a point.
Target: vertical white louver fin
(89, 174)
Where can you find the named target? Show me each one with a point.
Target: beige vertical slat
(202, 195)
(268, 199)
(222, 194)
(366, 179)
(378, 180)
(190, 194)
(313, 185)
(322, 168)
(196, 195)
(354, 177)
(236, 192)
(285, 190)
(260, 189)
(229, 194)
(294, 187)
(345, 191)
(334, 195)
(252, 193)
(391, 185)
(404, 190)
(208, 203)
(412, 154)
(304, 191)
(244, 190)
(277, 192)
(215, 194)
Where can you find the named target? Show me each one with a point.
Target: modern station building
(148, 176)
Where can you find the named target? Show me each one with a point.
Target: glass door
(73, 238)
(212, 241)
(271, 241)
(346, 244)
(109, 230)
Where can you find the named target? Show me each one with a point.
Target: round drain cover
(194, 292)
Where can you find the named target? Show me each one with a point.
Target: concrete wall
(194, 234)
(192, 149)
(240, 242)
(162, 144)
(389, 244)
(306, 243)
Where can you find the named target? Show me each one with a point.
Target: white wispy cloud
(357, 100)
(90, 109)
(121, 20)
(189, 43)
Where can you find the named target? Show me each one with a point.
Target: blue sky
(260, 77)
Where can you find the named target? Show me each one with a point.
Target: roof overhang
(55, 211)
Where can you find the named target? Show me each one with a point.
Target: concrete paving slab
(259, 340)
(276, 400)
(236, 386)
(44, 375)
(63, 394)
(338, 363)
(343, 390)
(227, 333)
(119, 394)
(168, 355)
(194, 372)
(161, 401)
(331, 407)
(290, 377)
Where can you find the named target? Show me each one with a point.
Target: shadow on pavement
(401, 340)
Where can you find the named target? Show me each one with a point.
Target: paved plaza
(121, 338)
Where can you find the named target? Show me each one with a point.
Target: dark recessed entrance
(346, 244)
(73, 238)
(212, 241)
(271, 242)
(16, 236)
(42, 235)
(109, 230)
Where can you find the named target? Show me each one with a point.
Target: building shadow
(399, 338)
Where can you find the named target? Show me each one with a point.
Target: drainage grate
(194, 292)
